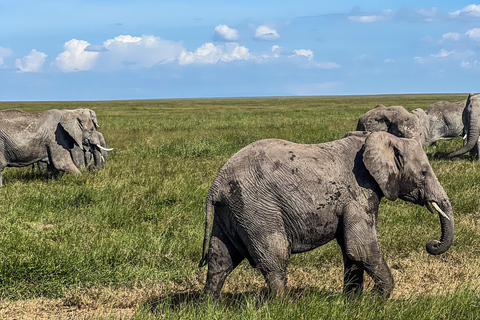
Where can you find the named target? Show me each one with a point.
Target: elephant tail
(208, 222)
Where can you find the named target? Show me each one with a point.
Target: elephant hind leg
(271, 255)
(223, 257)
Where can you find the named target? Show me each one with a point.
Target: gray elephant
(471, 124)
(88, 157)
(47, 137)
(441, 120)
(274, 198)
(395, 120)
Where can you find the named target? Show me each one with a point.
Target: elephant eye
(424, 173)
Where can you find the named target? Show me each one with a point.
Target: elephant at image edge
(441, 120)
(274, 198)
(395, 120)
(471, 124)
(47, 137)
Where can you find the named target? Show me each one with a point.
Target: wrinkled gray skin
(91, 156)
(48, 137)
(274, 198)
(395, 120)
(441, 120)
(471, 123)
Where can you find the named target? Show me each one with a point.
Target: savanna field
(125, 242)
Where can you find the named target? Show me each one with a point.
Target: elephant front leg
(62, 160)
(361, 247)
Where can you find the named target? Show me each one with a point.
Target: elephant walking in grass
(44, 137)
(471, 124)
(275, 198)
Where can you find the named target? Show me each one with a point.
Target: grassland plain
(125, 242)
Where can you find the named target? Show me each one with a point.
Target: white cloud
(455, 36)
(384, 15)
(266, 33)
(32, 62)
(442, 54)
(472, 10)
(224, 33)
(473, 34)
(138, 52)
(389, 60)
(306, 53)
(75, 58)
(4, 53)
(211, 54)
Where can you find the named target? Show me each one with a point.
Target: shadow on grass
(179, 300)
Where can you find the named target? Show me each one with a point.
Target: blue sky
(145, 49)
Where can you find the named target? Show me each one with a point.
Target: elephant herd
(439, 121)
(55, 140)
(274, 198)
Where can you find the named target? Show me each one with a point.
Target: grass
(126, 241)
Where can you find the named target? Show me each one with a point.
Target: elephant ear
(383, 160)
(72, 123)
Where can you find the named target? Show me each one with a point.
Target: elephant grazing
(46, 137)
(274, 198)
(471, 124)
(395, 120)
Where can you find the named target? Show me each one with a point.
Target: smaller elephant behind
(441, 120)
(395, 120)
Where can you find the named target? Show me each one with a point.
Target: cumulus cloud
(211, 54)
(455, 36)
(384, 15)
(472, 10)
(442, 54)
(75, 57)
(32, 62)
(266, 33)
(473, 34)
(4, 53)
(138, 52)
(224, 33)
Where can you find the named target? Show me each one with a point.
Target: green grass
(137, 225)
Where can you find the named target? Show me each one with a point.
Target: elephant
(471, 124)
(93, 156)
(395, 120)
(274, 198)
(44, 137)
(441, 120)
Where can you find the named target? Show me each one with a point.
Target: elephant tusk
(435, 205)
(104, 149)
(103, 159)
(464, 137)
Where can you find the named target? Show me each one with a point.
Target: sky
(64, 50)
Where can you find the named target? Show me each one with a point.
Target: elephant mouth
(433, 207)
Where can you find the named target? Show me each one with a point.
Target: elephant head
(395, 120)
(471, 124)
(401, 169)
(79, 127)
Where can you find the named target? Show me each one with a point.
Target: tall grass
(130, 235)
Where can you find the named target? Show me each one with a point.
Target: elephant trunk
(472, 137)
(445, 213)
